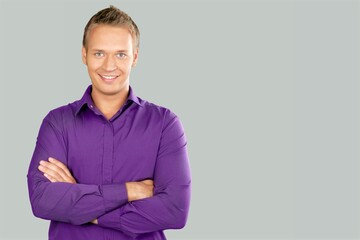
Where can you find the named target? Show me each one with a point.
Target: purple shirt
(141, 141)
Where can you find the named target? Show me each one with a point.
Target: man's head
(114, 17)
(110, 50)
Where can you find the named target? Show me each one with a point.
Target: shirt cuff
(114, 195)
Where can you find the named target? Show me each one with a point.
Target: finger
(51, 173)
(54, 168)
(55, 172)
(67, 174)
(70, 179)
(53, 176)
(50, 178)
(60, 165)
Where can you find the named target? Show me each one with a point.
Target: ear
(83, 55)
(136, 54)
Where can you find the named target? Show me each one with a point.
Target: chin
(107, 89)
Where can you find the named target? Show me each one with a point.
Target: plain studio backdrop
(268, 93)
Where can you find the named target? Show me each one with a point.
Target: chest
(101, 152)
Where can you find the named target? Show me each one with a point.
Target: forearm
(168, 209)
(73, 203)
(57, 172)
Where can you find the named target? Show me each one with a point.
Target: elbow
(179, 225)
(39, 211)
(179, 220)
(180, 210)
(39, 207)
(42, 210)
(44, 213)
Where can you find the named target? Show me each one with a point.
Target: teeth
(109, 77)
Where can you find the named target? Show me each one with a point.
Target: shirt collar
(87, 100)
(134, 98)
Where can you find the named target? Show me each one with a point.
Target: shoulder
(157, 110)
(163, 115)
(62, 114)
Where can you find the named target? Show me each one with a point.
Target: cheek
(126, 66)
(93, 64)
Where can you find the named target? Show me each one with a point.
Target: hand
(139, 190)
(56, 171)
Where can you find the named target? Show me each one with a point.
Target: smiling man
(110, 165)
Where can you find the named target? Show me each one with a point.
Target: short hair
(114, 17)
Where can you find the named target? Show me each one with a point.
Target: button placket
(108, 152)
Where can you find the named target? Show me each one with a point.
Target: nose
(109, 64)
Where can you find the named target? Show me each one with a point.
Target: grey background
(268, 92)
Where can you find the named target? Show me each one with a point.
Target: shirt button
(91, 106)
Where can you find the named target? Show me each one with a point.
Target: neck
(109, 105)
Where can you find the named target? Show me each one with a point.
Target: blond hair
(114, 17)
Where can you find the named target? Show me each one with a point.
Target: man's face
(109, 57)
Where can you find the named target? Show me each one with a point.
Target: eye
(98, 54)
(121, 55)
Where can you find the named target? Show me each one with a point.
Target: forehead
(108, 37)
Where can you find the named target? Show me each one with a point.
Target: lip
(108, 78)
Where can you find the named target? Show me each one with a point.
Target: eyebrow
(100, 50)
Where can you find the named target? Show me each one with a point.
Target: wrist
(130, 191)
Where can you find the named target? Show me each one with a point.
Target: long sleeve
(65, 202)
(168, 208)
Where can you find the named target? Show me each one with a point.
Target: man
(110, 165)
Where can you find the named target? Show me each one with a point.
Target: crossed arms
(133, 208)
(56, 171)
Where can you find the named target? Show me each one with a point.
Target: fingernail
(50, 159)
(41, 162)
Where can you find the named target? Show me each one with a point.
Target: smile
(108, 77)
